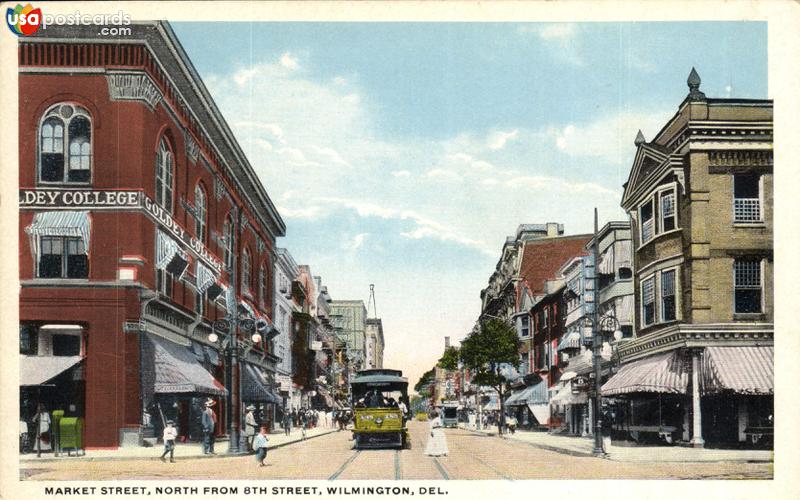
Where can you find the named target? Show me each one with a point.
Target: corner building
(699, 196)
(141, 223)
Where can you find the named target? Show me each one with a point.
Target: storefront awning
(541, 412)
(326, 396)
(742, 370)
(584, 363)
(37, 370)
(255, 387)
(176, 370)
(533, 394)
(565, 397)
(662, 373)
(571, 340)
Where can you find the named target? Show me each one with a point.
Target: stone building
(700, 200)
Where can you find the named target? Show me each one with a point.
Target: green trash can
(71, 434)
(56, 434)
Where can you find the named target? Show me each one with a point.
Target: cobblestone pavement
(472, 456)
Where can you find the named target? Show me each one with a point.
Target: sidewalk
(182, 450)
(583, 446)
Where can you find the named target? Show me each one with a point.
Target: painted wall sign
(72, 199)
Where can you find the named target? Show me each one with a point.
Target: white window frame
(165, 176)
(761, 286)
(654, 199)
(247, 269)
(66, 146)
(200, 212)
(760, 199)
(660, 294)
(642, 303)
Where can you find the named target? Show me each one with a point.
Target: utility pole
(597, 345)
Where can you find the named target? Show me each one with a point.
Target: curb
(26, 461)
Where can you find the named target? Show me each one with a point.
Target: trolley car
(378, 420)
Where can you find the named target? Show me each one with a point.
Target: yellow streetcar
(380, 409)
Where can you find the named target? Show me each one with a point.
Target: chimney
(553, 229)
(446, 342)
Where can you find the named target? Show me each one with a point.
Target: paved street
(472, 456)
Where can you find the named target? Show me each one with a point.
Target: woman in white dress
(437, 443)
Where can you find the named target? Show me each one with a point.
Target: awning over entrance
(255, 387)
(565, 396)
(571, 340)
(742, 370)
(662, 373)
(541, 412)
(326, 396)
(534, 394)
(37, 370)
(176, 370)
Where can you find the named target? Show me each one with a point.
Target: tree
(424, 383)
(449, 360)
(485, 350)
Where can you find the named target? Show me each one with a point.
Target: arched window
(262, 285)
(164, 175)
(65, 145)
(200, 212)
(246, 267)
(227, 241)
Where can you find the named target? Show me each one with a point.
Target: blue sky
(402, 154)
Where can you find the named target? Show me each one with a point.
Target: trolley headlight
(366, 417)
(379, 421)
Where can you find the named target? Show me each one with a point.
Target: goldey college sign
(87, 199)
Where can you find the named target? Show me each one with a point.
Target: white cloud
(444, 175)
(356, 243)
(561, 139)
(401, 173)
(274, 129)
(331, 155)
(549, 183)
(497, 140)
(289, 62)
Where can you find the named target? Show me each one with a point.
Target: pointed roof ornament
(694, 86)
(639, 139)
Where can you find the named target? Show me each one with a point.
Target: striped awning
(533, 394)
(166, 249)
(61, 223)
(584, 363)
(572, 340)
(255, 386)
(606, 265)
(176, 370)
(662, 373)
(204, 277)
(741, 370)
(565, 396)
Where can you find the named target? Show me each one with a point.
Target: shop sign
(580, 383)
(71, 199)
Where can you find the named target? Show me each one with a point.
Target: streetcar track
(398, 473)
(496, 471)
(438, 465)
(344, 466)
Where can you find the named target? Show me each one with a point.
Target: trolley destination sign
(115, 199)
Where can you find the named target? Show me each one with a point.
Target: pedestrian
(437, 443)
(287, 423)
(208, 422)
(250, 427)
(170, 434)
(511, 423)
(403, 409)
(42, 421)
(260, 445)
(304, 424)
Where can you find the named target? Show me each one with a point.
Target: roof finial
(694, 86)
(639, 139)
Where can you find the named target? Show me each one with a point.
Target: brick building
(141, 223)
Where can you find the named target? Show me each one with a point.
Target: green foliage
(485, 349)
(424, 382)
(450, 358)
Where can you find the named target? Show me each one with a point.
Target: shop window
(28, 339)
(747, 284)
(747, 198)
(66, 345)
(62, 257)
(648, 301)
(200, 211)
(164, 175)
(668, 312)
(65, 145)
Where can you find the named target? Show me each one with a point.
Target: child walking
(170, 433)
(260, 445)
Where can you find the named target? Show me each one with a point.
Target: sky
(403, 154)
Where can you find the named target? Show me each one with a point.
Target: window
(544, 318)
(747, 198)
(668, 296)
(164, 175)
(65, 145)
(667, 211)
(747, 285)
(246, 266)
(648, 301)
(524, 326)
(164, 282)
(625, 273)
(28, 339)
(200, 212)
(646, 215)
(523, 363)
(66, 345)
(227, 241)
(262, 286)
(62, 257)
(199, 302)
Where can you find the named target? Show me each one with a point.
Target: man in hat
(209, 421)
(170, 433)
(250, 426)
